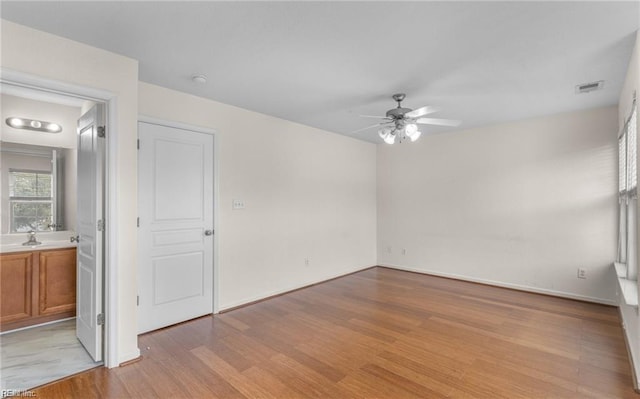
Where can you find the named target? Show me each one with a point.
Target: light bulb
(54, 127)
(415, 136)
(390, 139)
(36, 124)
(387, 134)
(410, 129)
(384, 132)
(15, 122)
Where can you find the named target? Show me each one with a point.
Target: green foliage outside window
(31, 200)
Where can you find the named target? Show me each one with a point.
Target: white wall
(308, 194)
(521, 204)
(23, 50)
(631, 320)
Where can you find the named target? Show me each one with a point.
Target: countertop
(10, 243)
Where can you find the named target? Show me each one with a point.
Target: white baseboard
(288, 289)
(504, 285)
(127, 357)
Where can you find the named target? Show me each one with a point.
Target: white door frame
(216, 191)
(21, 79)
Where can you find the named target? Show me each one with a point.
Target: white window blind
(632, 170)
(627, 158)
(632, 173)
(622, 164)
(628, 182)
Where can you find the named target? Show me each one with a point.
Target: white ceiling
(324, 63)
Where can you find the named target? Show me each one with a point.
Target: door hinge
(138, 222)
(138, 143)
(101, 319)
(102, 131)
(101, 225)
(138, 300)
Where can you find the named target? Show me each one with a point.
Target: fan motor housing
(398, 113)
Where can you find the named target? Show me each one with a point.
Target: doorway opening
(48, 292)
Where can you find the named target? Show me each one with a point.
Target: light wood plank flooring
(42, 354)
(380, 333)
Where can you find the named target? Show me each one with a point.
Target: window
(628, 195)
(30, 200)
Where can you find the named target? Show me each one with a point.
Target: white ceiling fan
(402, 123)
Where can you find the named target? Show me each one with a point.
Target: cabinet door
(57, 281)
(16, 272)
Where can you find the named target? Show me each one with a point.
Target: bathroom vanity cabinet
(37, 287)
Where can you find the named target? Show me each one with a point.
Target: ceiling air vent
(587, 87)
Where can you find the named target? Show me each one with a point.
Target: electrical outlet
(582, 273)
(389, 249)
(404, 251)
(238, 204)
(306, 261)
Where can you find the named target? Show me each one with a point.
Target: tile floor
(36, 356)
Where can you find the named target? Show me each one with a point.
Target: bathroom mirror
(38, 188)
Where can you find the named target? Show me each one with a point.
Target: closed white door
(175, 236)
(90, 231)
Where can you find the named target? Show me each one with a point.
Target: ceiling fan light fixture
(384, 132)
(415, 136)
(390, 138)
(401, 124)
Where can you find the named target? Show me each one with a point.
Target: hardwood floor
(380, 333)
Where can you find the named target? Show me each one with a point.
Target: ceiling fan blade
(438, 122)
(371, 116)
(370, 127)
(422, 111)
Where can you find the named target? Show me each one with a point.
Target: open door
(90, 230)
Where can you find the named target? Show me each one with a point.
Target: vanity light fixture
(32, 124)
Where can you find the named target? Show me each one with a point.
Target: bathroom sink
(7, 248)
(13, 242)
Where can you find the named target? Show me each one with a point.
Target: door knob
(208, 232)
